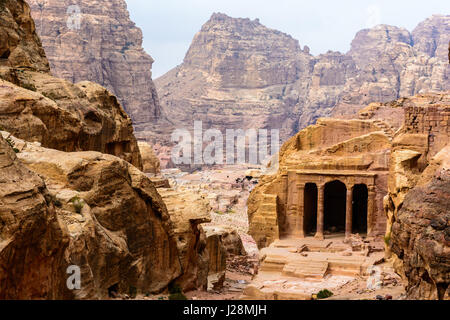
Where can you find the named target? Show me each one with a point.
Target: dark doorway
(360, 197)
(310, 209)
(334, 207)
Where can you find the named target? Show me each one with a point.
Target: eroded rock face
(119, 231)
(33, 239)
(36, 106)
(234, 76)
(188, 211)
(96, 41)
(150, 161)
(229, 237)
(240, 74)
(418, 195)
(421, 232)
(431, 36)
(19, 44)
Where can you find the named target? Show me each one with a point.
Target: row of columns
(295, 210)
(348, 211)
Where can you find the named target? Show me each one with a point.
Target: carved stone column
(301, 211)
(371, 210)
(320, 212)
(349, 213)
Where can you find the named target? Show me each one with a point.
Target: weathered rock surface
(421, 232)
(418, 197)
(240, 74)
(188, 210)
(36, 106)
(150, 161)
(229, 237)
(119, 231)
(217, 259)
(32, 237)
(104, 46)
(19, 44)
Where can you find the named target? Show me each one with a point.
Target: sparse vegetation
(176, 293)
(324, 294)
(133, 292)
(387, 239)
(78, 204)
(12, 145)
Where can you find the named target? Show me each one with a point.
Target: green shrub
(387, 239)
(176, 293)
(133, 292)
(78, 204)
(12, 145)
(324, 294)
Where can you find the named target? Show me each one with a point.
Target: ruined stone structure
(333, 176)
(319, 200)
(332, 179)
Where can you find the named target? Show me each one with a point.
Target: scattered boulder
(150, 161)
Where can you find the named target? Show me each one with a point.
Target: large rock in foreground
(32, 237)
(421, 233)
(120, 233)
(188, 211)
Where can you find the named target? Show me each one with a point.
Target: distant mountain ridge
(240, 74)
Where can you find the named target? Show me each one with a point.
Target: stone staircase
(389, 131)
(306, 269)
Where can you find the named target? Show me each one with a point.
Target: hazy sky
(170, 25)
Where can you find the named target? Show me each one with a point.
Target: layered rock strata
(96, 41)
(36, 106)
(106, 210)
(239, 74)
(418, 199)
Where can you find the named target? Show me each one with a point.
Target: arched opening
(360, 198)
(335, 207)
(310, 209)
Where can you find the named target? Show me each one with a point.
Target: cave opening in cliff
(310, 209)
(335, 206)
(360, 198)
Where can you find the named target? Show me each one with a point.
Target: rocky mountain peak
(369, 44)
(432, 36)
(230, 49)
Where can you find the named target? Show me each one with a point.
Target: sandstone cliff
(36, 106)
(421, 233)
(32, 237)
(150, 161)
(240, 74)
(418, 199)
(104, 210)
(188, 211)
(96, 41)
(61, 207)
